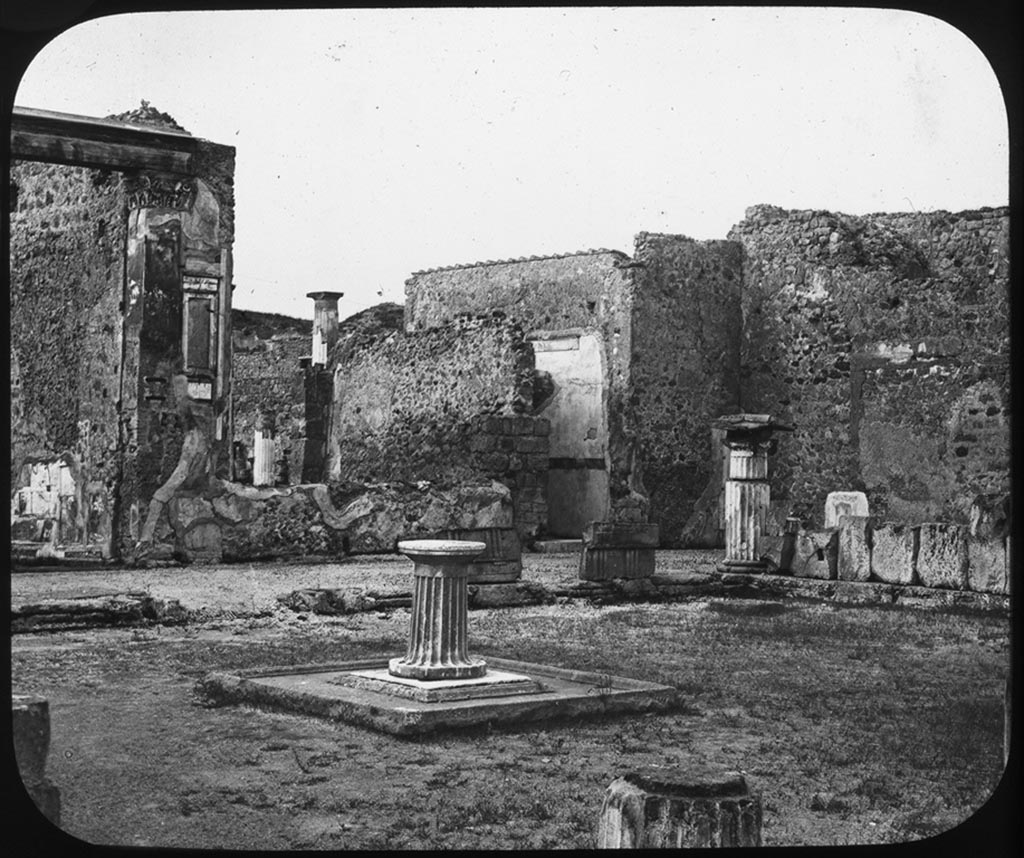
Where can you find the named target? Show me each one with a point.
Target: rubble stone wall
(685, 368)
(67, 233)
(590, 291)
(445, 406)
(267, 376)
(885, 340)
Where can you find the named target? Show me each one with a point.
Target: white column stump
(748, 438)
(682, 810)
(438, 645)
(263, 470)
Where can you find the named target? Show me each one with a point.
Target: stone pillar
(746, 503)
(438, 646)
(748, 438)
(325, 323)
(263, 465)
(681, 810)
(30, 716)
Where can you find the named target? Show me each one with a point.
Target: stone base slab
(315, 690)
(494, 683)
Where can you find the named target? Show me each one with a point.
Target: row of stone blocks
(933, 554)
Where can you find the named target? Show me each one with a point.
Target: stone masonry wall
(885, 340)
(684, 367)
(267, 375)
(444, 406)
(66, 254)
(590, 291)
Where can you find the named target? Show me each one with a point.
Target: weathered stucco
(99, 260)
(66, 254)
(267, 377)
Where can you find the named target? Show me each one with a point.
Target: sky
(374, 143)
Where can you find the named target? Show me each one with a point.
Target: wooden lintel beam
(84, 152)
(64, 138)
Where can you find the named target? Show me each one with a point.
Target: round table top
(441, 547)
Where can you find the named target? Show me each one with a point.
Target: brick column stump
(440, 599)
(681, 810)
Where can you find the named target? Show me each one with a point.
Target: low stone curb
(135, 609)
(665, 588)
(131, 609)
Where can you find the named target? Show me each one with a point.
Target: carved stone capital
(148, 191)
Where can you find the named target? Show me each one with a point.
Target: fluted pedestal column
(438, 646)
(746, 504)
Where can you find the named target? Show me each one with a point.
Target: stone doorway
(578, 470)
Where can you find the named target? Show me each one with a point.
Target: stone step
(558, 546)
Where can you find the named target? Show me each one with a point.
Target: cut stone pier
(838, 504)
(438, 685)
(748, 438)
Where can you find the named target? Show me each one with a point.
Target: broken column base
(618, 549)
(30, 716)
(501, 562)
(681, 810)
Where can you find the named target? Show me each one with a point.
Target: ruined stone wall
(445, 406)
(590, 291)
(267, 375)
(684, 368)
(67, 256)
(885, 340)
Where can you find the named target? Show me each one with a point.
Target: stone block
(815, 554)
(990, 516)
(853, 557)
(601, 564)
(942, 555)
(621, 534)
(844, 503)
(500, 562)
(30, 723)
(987, 569)
(893, 552)
(777, 551)
(680, 810)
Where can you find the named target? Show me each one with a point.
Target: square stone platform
(363, 693)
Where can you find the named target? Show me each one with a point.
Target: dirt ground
(854, 724)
